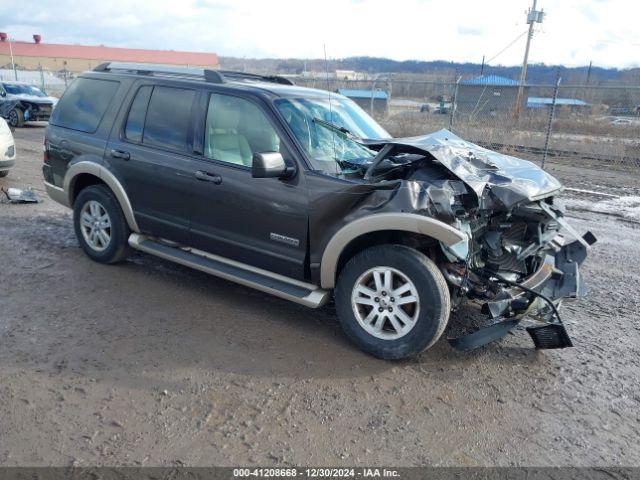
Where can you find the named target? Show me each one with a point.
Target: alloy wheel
(385, 302)
(95, 225)
(13, 118)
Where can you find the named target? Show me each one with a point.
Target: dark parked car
(21, 102)
(299, 193)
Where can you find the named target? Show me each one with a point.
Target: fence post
(389, 92)
(453, 103)
(373, 88)
(64, 73)
(41, 78)
(552, 112)
(13, 63)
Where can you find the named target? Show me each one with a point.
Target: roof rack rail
(211, 76)
(255, 76)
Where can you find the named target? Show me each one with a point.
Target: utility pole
(482, 67)
(533, 16)
(589, 72)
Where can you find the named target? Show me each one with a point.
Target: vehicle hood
(33, 99)
(487, 173)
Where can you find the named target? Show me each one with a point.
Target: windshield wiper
(334, 127)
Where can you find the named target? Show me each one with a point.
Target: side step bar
(263, 280)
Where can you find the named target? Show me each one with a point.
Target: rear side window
(168, 117)
(135, 120)
(84, 103)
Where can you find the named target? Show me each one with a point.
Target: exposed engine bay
(31, 110)
(518, 258)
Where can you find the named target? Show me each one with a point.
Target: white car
(7, 148)
(621, 121)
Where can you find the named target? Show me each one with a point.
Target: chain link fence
(587, 123)
(52, 83)
(598, 124)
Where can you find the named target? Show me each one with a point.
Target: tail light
(45, 152)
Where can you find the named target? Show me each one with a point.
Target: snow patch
(627, 207)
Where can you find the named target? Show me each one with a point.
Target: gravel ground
(149, 363)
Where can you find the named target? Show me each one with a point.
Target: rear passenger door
(150, 152)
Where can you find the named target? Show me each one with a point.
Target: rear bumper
(57, 194)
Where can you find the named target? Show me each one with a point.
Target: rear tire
(392, 301)
(4, 173)
(100, 225)
(16, 118)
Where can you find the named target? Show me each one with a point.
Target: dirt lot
(149, 363)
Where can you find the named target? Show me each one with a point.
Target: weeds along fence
(599, 124)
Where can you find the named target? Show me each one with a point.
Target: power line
(508, 46)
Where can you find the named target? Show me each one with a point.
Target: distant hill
(536, 73)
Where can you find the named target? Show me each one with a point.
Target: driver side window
(236, 129)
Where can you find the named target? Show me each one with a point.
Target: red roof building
(77, 58)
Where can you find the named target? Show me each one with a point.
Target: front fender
(408, 222)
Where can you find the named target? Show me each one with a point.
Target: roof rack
(211, 76)
(254, 76)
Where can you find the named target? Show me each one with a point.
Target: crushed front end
(518, 263)
(520, 258)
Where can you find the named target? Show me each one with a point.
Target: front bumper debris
(556, 279)
(551, 335)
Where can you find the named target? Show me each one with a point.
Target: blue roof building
(540, 102)
(368, 99)
(490, 81)
(358, 93)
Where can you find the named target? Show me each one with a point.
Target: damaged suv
(21, 102)
(299, 193)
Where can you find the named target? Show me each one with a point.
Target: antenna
(333, 134)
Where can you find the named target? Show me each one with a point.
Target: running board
(263, 280)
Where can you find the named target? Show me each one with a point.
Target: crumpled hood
(511, 180)
(33, 99)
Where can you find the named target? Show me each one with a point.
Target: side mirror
(270, 165)
(3, 93)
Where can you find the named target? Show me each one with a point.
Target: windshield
(17, 89)
(330, 150)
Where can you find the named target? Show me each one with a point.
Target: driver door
(261, 222)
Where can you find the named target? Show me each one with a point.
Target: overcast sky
(574, 31)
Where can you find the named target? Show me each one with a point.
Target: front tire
(16, 118)
(100, 225)
(392, 301)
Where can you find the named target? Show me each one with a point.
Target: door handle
(209, 177)
(120, 154)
